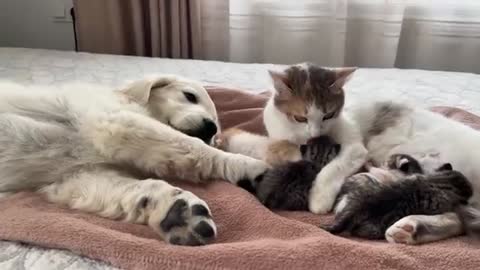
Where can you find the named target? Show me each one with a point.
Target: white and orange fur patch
(272, 151)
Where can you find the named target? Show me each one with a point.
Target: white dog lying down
(87, 147)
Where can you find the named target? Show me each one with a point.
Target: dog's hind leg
(34, 153)
(153, 147)
(178, 216)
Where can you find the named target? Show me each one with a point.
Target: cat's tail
(470, 218)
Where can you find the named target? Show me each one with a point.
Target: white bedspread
(33, 66)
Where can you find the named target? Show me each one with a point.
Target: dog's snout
(205, 131)
(209, 129)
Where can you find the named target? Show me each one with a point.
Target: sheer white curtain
(441, 35)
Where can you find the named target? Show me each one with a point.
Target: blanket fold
(250, 235)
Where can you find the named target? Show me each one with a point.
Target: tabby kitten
(368, 205)
(286, 186)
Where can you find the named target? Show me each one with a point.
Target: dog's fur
(86, 147)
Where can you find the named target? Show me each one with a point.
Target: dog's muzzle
(205, 132)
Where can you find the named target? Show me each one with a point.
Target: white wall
(36, 24)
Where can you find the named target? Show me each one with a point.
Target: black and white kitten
(369, 203)
(286, 187)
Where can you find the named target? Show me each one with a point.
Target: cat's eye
(300, 119)
(190, 97)
(328, 116)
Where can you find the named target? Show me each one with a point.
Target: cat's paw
(322, 196)
(403, 231)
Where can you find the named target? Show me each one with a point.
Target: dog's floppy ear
(139, 91)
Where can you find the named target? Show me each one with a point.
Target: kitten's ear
(337, 148)
(403, 164)
(445, 167)
(342, 76)
(303, 149)
(280, 81)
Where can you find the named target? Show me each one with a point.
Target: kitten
(286, 186)
(368, 202)
(397, 167)
(367, 205)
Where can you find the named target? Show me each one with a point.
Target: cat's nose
(315, 131)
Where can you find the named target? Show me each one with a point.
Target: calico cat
(308, 101)
(368, 205)
(286, 186)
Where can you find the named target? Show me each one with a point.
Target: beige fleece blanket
(250, 236)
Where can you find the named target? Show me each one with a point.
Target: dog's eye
(190, 97)
(328, 116)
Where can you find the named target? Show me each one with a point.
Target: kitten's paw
(321, 198)
(403, 231)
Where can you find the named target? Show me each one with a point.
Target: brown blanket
(250, 236)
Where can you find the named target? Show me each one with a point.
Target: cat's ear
(280, 82)
(342, 76)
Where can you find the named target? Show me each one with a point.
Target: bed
(33, 66)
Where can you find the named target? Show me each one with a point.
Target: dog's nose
(208, 130)
(205, 132)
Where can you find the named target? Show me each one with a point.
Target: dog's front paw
(253, 172)
(237, 167)
(179, 216)
(187, 222)
(256, 170)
